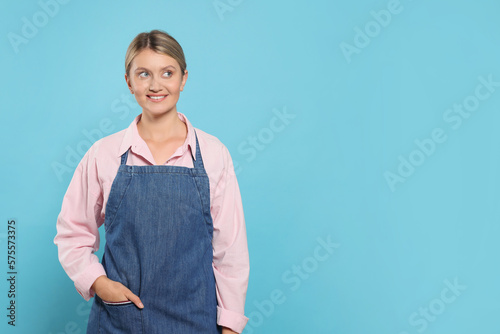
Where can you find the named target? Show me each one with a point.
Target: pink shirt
(84, 204)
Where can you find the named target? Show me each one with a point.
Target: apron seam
(118, 206)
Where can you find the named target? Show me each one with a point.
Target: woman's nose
(154, 85)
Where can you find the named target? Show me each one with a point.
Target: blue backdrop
(363, 132)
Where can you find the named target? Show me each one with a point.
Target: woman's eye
(168, 74)
(141, 74)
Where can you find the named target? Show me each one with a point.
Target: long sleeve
(77, 227)
(231, 260)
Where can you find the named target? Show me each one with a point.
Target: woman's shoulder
(208, 139)
(210, 143)
(215, 154)
(107, 147)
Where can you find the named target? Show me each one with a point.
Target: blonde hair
(158, 41)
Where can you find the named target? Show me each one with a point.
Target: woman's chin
(158, 110)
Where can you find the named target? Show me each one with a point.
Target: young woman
(176, 256)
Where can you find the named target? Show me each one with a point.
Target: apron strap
(124, 157)
(198, 163)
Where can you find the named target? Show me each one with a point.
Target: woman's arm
(231, 260)
(77, 226)
(226, 330)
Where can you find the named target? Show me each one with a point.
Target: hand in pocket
(112, 291)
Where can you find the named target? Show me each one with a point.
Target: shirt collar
(134, 141)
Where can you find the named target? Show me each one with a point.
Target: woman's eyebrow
(143, 68)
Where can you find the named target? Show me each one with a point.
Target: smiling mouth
(156, 98)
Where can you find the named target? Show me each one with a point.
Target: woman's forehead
(153, 60)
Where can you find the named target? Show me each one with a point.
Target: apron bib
(158, 230)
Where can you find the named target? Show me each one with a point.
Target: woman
(176, 256)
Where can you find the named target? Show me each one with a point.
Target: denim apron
(158, 230)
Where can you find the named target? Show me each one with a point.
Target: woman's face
(156, 81)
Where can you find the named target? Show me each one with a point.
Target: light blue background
(320, 176)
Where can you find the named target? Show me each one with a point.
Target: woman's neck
(161, 128)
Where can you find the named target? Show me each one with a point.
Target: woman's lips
(157, 98)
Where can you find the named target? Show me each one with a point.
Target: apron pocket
(120, 317)
(117, 303)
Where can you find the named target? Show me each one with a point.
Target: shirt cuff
(233, 320)
(84, 282)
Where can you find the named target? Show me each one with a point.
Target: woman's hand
(112, 291)
(226, 330)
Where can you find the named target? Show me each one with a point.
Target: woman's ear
(184, 78)
(129, 84)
